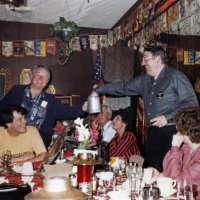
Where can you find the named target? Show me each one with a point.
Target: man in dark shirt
(165, 90)
(43, 109)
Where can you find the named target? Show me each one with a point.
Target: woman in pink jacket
(183, 160)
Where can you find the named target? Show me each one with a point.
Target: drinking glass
(188, 193)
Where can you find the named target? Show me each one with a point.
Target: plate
(172, 192)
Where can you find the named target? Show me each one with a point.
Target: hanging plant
(64, 31)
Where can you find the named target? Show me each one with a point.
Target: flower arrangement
(86, 138)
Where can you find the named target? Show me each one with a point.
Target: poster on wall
(7, 49)
(29, 48)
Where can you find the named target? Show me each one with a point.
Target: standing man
(43, 109)
(24, 142)
(104, 118)
(165, 90)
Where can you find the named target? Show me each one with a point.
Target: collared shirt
(36, 108)
(124, 146)
(108, 132)
(163, 96)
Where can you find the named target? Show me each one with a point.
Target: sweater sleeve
(181, 164)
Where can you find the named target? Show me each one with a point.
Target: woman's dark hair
(6, 114)
(187, 121)
(126, 117)
(157, 51)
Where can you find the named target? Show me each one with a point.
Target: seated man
(104, 118)
(124, 143)
(24, 142)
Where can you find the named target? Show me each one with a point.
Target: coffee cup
(148, 175)
(166, 185)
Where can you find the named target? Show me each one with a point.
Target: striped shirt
(124, 146)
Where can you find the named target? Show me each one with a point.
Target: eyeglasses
(147, 58)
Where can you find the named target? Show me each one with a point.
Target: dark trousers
(158, 144)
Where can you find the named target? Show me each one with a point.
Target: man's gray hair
(108, 109)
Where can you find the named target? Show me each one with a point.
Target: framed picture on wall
(25, 77)
(5, 81)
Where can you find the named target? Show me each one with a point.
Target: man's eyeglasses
(147, 58)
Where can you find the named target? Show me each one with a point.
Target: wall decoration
(75, 44)
(25, 77)
(179, 55)
(93, 42)
(84, 42)
(18, 48)
(5, 81)
(7, 49)
(103, 41)
(29, 48)
(110, 38)
(51, 46)
(197, 57)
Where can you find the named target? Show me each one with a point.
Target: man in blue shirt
(165, 90)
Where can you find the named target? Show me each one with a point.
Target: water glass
(188, 192)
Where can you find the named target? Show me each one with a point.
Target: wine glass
(6, 160)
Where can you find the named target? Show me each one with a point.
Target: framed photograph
(25, 77)
(5, 81)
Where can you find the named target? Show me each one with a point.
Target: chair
(137, 159)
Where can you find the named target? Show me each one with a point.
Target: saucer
(173, 191)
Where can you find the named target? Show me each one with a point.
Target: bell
(56, 188)
(94, 105)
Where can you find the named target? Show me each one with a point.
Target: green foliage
(64, 30)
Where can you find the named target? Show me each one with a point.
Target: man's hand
(159, 121)
(85, 106)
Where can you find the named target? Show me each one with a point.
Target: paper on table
(64, 169)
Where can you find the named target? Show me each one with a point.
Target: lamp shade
(56, 188)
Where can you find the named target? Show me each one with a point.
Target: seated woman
(183, 160)
(124, 143)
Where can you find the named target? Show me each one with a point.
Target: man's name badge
(159, 95)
